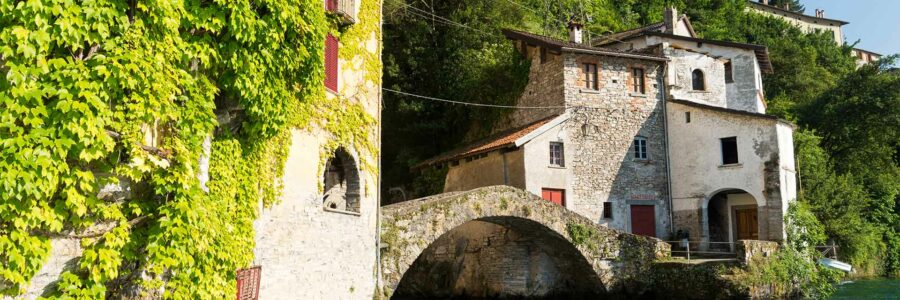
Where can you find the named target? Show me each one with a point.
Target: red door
(643, 220)
(554, 195)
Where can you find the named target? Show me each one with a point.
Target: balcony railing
(346, 9)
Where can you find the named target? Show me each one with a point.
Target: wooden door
(643, 220)
(554, 195)
(747, 224)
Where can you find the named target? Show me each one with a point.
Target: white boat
(831, 263)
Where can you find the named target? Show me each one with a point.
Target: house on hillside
(813, 23)
(652, 131)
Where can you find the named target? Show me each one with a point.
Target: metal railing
(702, 249)
(828, 251)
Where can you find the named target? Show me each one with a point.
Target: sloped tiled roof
(498, 141)
(559, 45)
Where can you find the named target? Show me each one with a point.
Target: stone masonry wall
(545, 88)
(602, 129)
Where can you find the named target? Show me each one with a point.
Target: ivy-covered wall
(307, 249)
(120, 95)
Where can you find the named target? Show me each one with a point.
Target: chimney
(670, 18)
(787, 6)
(820, 13)
(575, 34)
(766, 2)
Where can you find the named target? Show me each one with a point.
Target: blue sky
(874, 23)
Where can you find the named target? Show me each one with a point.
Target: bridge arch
(618, 260)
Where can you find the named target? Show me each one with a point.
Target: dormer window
(697, 80)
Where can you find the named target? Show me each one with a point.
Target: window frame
(731, 142)
(638, 83)
(607, 213)
(698, 77)
(559, 159)
(639, 149)
(729, 72)
(591, 76)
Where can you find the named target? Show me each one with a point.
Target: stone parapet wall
(748, 250)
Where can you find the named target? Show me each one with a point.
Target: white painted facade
(806, 23)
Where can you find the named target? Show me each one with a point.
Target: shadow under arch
(500, 257)
(721, 222)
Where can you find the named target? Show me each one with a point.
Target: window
(637, 80)
(698, 81)
(331, 63)
(341, 181)
(557, 154)
(729, 151)
(640, 148)
(557, 196)
(607, 210)
(729, 76)
(543, 55)
(687, 117)
(590, 76)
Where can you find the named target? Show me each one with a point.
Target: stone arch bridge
(501, 241)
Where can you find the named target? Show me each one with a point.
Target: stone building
(567, 152)
(808, 24)
(652, 131)
(321, 240)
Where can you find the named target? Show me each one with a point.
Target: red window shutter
(554, 195)
(331, 63)
(248, 283)
(330, 5)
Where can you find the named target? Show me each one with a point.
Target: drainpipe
(665, 88)
(378, 274)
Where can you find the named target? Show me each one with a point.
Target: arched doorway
(499, 257)
(731, 215)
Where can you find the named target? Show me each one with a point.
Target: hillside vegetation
(849, 119)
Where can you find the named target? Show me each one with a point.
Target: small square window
(640, 148)
(687, 117)
(557, 154)
(729, 151)
(607, 210)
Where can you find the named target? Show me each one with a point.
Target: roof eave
(614, 54)
(799, 14)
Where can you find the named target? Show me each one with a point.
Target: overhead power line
(472, 104)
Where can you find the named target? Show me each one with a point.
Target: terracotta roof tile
(498, 141)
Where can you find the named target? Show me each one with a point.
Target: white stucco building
(815, 23)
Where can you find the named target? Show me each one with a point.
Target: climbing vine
(107, 109)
